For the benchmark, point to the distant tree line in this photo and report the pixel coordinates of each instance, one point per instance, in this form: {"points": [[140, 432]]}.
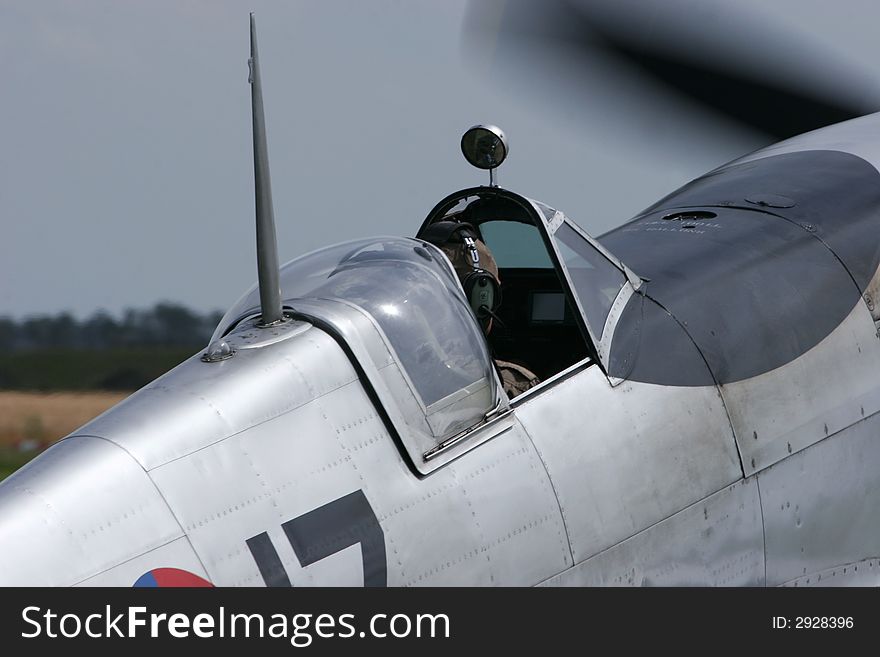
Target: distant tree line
{"points": [[164, 325]]}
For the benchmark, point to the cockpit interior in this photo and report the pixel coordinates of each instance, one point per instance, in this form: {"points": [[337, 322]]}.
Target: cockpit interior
{"points": [[538, 320]]}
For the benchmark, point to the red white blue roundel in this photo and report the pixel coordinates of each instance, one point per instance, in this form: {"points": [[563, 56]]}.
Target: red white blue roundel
{"points": [[170, 577]]}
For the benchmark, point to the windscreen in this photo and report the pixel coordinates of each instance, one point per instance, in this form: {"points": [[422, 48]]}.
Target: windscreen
{"points": [[596, 280]]}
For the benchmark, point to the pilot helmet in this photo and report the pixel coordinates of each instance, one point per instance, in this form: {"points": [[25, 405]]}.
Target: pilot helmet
{"points": [[473, 262]]}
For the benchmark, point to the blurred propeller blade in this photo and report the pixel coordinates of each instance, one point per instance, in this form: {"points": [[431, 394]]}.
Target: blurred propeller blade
{"points": [[729, 58]]}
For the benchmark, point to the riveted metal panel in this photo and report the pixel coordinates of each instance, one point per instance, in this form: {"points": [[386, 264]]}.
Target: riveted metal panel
{"points": [[827, 389], [253, 482], [715, 542], [177, 554], [198, 403], [490, 517], [624, 458], [860, 573], [822, 506], [77, 510], [511, 532]]}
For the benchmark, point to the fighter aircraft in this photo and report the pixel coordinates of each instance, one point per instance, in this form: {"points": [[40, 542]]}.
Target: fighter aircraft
{"points": [[705, 414]]}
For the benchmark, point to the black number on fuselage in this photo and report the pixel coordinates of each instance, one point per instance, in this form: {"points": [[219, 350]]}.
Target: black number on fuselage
{"points": [[325, 531], [270, 565]]}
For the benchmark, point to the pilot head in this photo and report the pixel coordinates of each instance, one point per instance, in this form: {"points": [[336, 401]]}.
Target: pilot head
{"points": [[474, 264]]}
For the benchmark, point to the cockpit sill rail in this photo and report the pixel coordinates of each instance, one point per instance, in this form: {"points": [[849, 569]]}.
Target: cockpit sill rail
{"points": [[494, 416]]}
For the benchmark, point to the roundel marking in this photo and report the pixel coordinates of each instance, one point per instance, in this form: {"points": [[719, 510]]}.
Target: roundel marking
{"points": [[171, 578]]}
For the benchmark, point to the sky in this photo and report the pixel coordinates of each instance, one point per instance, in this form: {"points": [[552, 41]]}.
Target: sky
{"points": [[125, 156]]}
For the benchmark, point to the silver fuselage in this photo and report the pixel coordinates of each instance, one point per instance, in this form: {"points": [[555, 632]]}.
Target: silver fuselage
{"points": [[218, 469]]}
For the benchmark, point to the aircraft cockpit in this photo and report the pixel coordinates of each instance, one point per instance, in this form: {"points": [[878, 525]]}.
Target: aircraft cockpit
{"points": [[558, 286], [396, 305], [562, 291]]}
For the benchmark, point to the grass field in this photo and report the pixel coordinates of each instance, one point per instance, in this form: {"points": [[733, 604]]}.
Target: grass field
{"points": [[86, 370], [11, 460], [31, 421], [33, 415]]}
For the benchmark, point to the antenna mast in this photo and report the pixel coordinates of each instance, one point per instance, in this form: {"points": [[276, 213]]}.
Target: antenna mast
{"points": [[267, 246]]}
